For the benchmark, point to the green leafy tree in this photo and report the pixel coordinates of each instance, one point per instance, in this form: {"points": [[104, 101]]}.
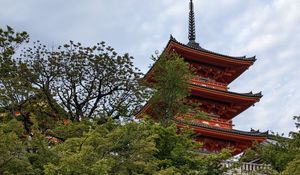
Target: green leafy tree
{"points": [[177, 152], [71, 81], [13, 159], [13, 90], [170, 83], [133, 148], [86, 81], [10, 41], [110, 148], [43, 69], [292, 168]]}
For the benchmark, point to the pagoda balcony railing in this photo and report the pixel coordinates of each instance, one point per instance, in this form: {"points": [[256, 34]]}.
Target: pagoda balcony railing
{"points": [[244, 168], [211, 121], [192, 114], [208, 83]]}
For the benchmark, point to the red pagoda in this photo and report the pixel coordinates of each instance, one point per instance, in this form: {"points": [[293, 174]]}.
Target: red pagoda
{"points": [[209, 89]]}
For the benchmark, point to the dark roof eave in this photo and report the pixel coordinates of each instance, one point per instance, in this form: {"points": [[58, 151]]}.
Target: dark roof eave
{"points": [[249, 94], [172, 39], [234, 131], [240, 58]]}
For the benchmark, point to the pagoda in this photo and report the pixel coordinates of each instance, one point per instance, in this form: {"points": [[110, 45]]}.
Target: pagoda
{"points": [[209, 90]]}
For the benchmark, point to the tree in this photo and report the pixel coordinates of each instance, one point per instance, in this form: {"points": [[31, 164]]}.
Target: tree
{"points": [[292, 168], [133, 148], [177, 153], [13, 159], [13, 90], [43, 69], [171, 87], [87, 81], [10, 41], [38, 152], [109, 148]]}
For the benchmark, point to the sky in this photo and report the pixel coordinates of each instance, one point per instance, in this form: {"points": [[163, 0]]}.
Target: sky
{"points": [[269, 29]]}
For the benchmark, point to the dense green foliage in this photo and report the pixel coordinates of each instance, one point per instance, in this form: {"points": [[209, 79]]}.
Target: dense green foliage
{"points": [[292, 168], [13, 157], [109, 148], [170, 87]]}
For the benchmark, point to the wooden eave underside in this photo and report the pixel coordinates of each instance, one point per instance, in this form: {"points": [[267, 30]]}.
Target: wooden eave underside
{"points": [[224, 96], [242, 101], [224, 135], [239, 102], [238, 64], [208, 57]]}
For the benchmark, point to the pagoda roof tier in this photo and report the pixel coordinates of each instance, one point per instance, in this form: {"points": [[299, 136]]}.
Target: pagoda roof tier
{"points": [[228, 134], [233, 66], [172, 40], [236, 94], [234, 103]]}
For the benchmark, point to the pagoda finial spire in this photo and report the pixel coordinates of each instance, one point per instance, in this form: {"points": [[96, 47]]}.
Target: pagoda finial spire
{"points": [[192, 32], [192, 35]]}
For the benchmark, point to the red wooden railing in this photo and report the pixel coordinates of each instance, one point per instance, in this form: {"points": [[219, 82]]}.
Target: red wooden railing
{"points": [[215, 122], [208, 83]]}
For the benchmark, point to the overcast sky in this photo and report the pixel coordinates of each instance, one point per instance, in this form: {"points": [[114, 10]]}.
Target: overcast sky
{"points": [[269, 29]]}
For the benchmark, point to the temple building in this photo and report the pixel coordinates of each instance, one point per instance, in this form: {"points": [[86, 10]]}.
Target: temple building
{"points": [[209, 89]]}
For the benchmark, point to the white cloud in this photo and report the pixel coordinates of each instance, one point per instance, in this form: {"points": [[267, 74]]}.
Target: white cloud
{"points": [[272, 36]]}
